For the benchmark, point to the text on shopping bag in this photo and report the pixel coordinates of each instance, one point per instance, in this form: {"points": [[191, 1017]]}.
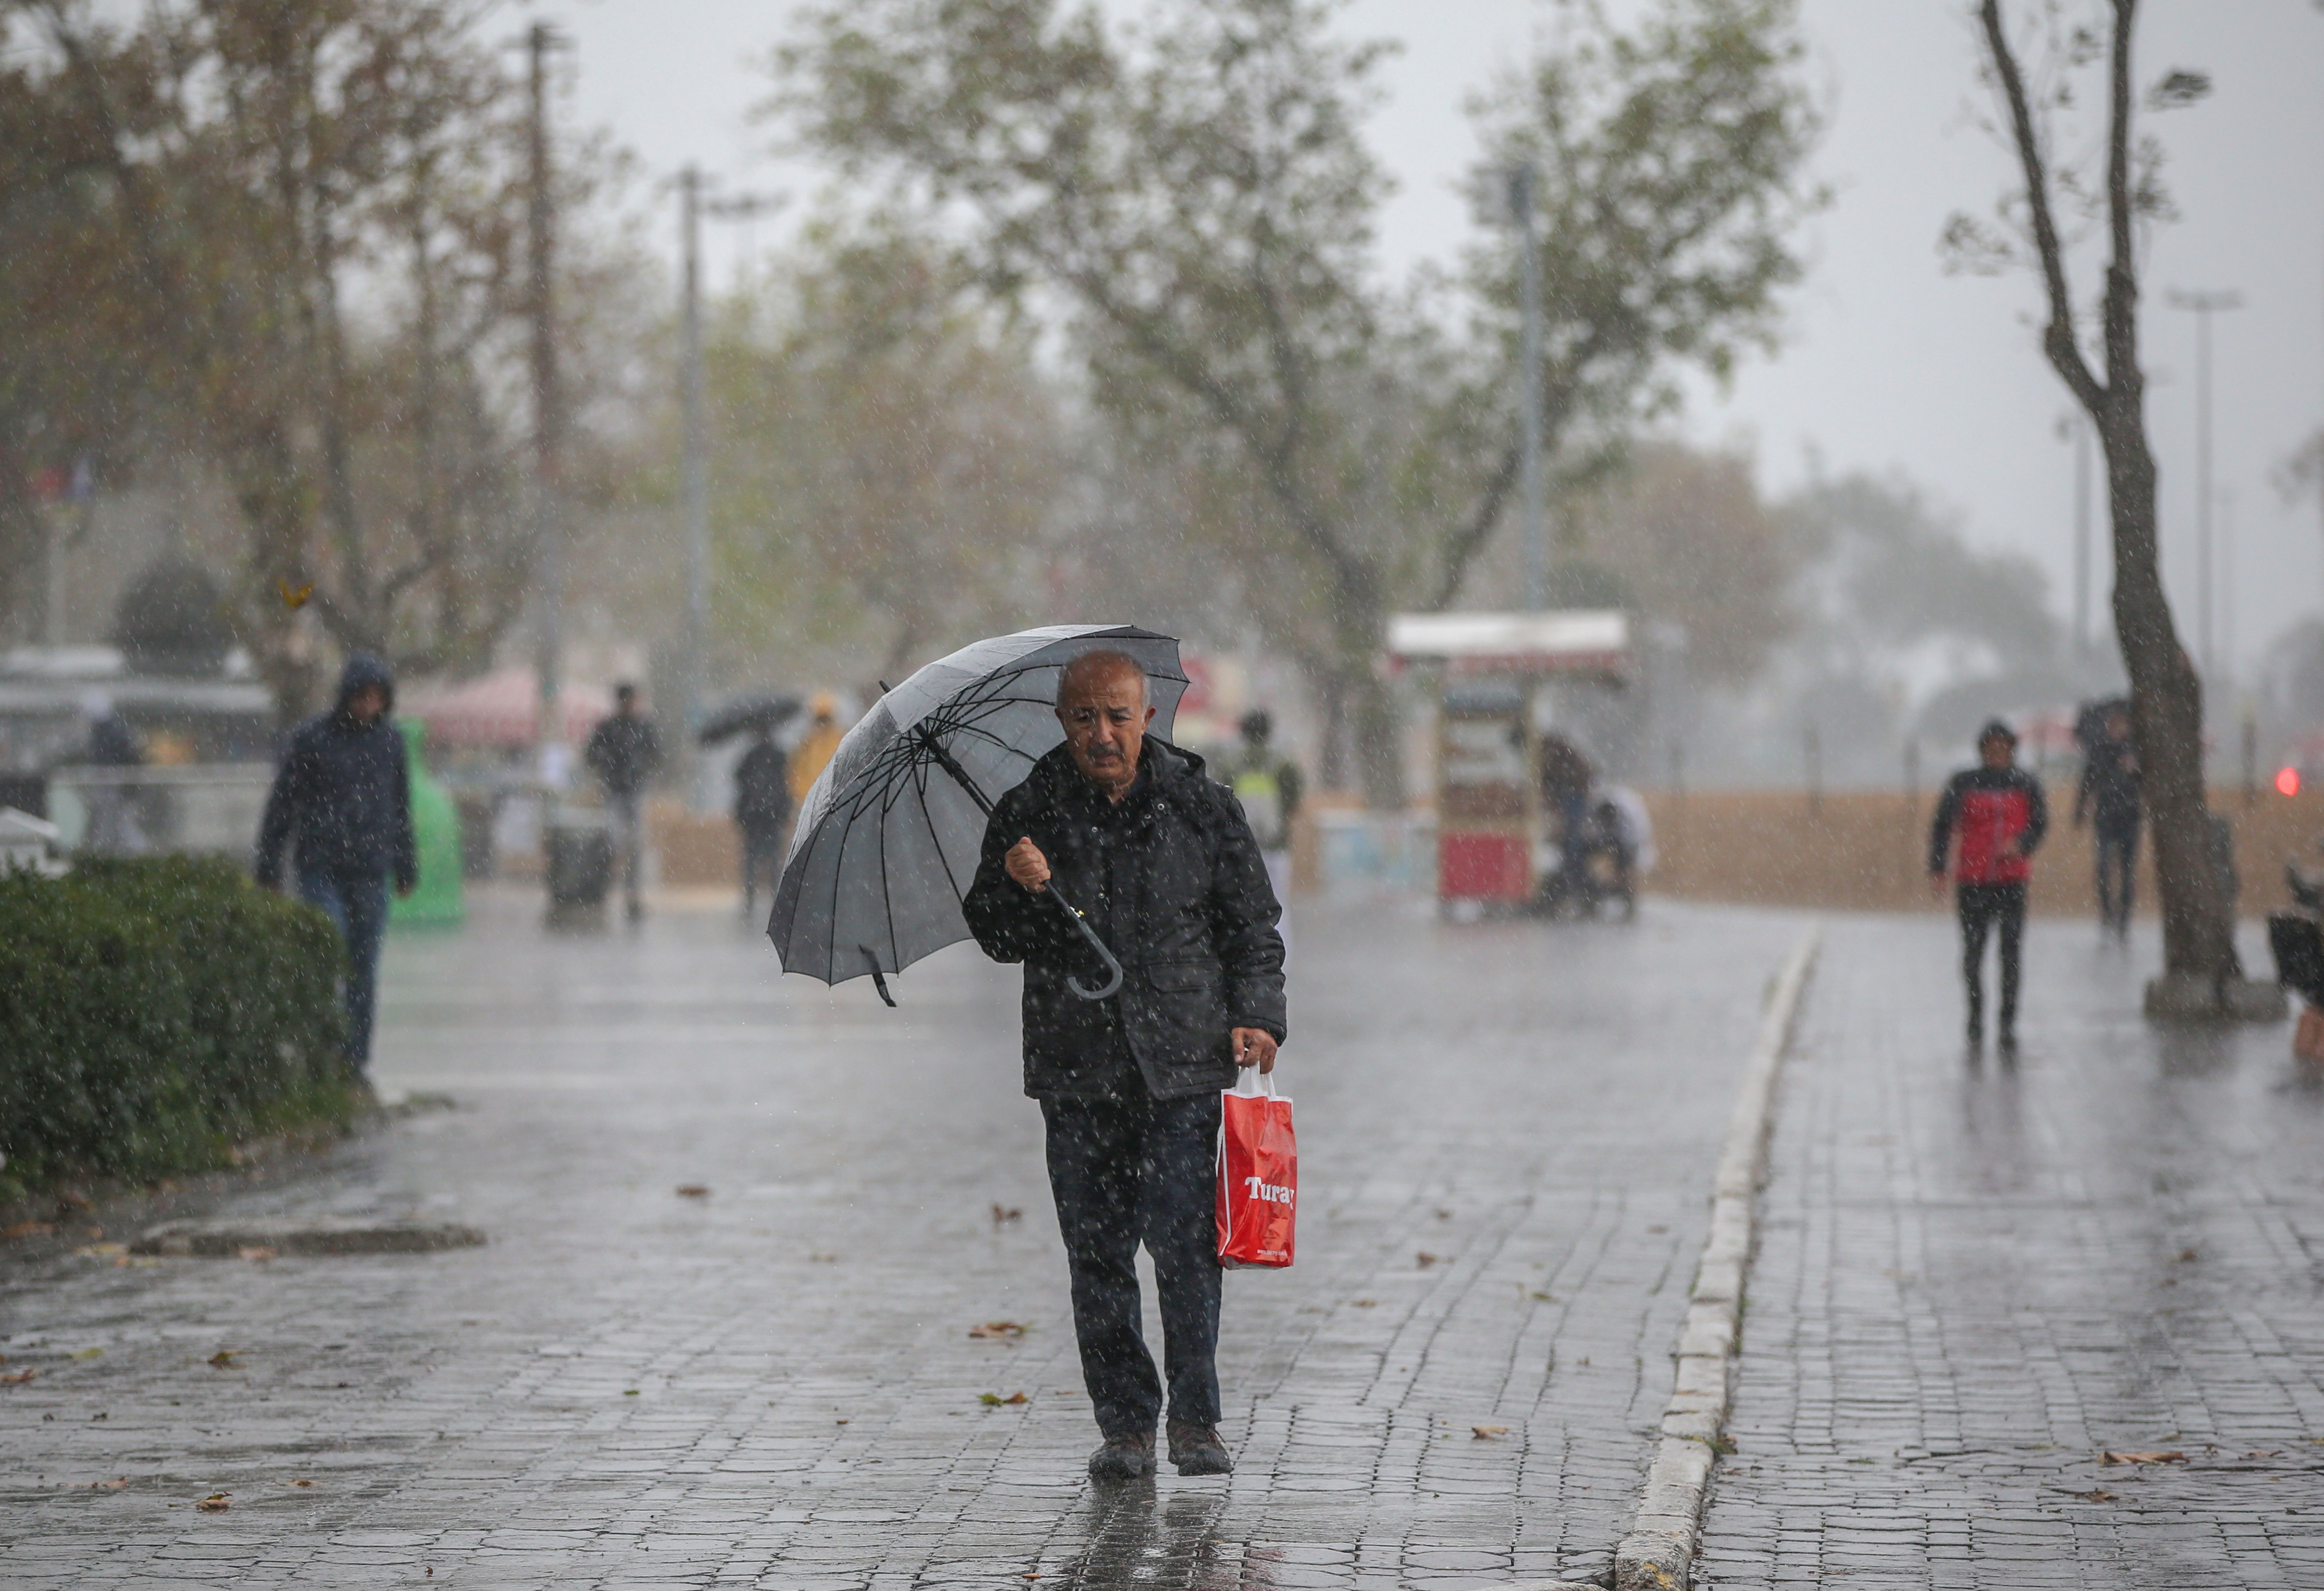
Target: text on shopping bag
{"points": [[1258, 1178]]}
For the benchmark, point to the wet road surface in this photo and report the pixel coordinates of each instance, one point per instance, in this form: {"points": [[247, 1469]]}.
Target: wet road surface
{"points": [[1506, 1136], [1974, 1280]]}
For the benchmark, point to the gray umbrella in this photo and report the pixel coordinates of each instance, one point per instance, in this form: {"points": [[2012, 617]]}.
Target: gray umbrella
{"points": [[887, 839]]}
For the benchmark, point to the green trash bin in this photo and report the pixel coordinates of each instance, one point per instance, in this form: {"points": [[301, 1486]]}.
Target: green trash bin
{"points": [[435, 824]]}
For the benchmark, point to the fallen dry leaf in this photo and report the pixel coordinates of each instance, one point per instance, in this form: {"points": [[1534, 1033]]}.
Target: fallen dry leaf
{"points": [[2170, 1457], [2093, 1496], [19, 1377], [995, 1401], [90, 1353], [224, 1358], [2187, 1256], [692, 1190], [823, 1259], [302, 1483], [1003, 1214], [998, 1330], [257, 1253], [111, 1485], [1424, 1258], [1546, 1297], [216, 1503], [1366, 1304], [1487, 1432]]}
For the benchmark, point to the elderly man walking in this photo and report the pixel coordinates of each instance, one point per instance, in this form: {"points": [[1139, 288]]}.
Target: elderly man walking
{"points": [[1165, 866]]}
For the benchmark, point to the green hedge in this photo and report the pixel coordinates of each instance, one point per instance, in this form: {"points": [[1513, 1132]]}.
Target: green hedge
{"points": [[153, 1013]]}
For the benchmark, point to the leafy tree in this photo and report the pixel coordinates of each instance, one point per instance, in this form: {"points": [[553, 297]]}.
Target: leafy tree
{"points": [[892, 467], [1196, 194], [2077, 43], [311, 214]]}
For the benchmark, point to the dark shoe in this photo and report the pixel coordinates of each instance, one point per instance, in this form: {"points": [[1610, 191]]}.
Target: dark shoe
{"points": [[1196, 1450], [1126, 1456]]}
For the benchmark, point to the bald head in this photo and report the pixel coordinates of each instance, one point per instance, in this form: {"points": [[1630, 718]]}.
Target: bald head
{"points": [[1103, 707], [1097, 670]]}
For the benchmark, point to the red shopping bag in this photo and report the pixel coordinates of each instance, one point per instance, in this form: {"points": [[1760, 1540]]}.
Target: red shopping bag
{"points": [[1258, 1175]]}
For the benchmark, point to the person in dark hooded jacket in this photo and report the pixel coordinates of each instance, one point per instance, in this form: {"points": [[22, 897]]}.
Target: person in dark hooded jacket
{"points": [[342, 803], [1164, 864], [1990, 820]]}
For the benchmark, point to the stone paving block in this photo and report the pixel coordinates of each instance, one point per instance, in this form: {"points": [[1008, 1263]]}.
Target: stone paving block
{"points": [[1538, 1108], [1969, 1282]]}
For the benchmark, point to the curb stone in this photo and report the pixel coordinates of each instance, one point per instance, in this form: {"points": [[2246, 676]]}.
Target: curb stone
{"points": [[1659, 1554]]}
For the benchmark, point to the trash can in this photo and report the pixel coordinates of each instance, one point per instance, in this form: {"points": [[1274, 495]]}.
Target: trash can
{"points": [[578, 847], [436, 826]]}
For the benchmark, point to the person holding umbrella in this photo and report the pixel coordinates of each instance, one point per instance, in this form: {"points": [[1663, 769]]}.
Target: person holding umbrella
{"points": [[762, 809], [1166, 871]]}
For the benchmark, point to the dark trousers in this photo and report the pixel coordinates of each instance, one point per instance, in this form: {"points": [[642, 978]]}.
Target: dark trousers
{"points": [[356, 903], [1984, 906], [2118, 851], [1123, 1170], [762, 852]]}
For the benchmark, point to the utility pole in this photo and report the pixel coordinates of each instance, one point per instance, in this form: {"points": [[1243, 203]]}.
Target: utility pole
{"points": [[2076, 428], [696, 468], [2204, 305], [693, 205], [548, 400], [1532, 488]]}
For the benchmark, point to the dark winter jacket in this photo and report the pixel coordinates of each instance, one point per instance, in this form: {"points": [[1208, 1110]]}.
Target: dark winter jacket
{"points": [[2000, 815], [2109, 788], [624, 754], [763, 789], [1173, 881], [343, 796]]}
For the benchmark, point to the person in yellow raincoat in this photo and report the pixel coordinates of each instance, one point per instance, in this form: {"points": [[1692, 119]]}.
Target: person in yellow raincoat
{"points": [[814, 750]]}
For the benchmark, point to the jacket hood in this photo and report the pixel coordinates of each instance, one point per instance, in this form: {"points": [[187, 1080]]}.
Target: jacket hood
{"points": [[362, 668]]}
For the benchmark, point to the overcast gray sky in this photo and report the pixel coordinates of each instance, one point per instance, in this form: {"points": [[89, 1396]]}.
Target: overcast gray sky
{"points": [[1889, 363]]}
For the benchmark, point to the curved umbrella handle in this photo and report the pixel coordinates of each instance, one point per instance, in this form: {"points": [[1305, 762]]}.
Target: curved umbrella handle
{"points": [[1112, 966]]}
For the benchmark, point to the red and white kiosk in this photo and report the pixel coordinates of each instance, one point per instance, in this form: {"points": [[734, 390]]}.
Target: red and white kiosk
{"points": [[1486, 671]]}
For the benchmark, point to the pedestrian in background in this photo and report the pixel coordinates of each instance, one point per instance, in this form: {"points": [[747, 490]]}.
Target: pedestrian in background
{"points": [[342, 803], [1991, 819], [813, 753], [1269, 788], [2107, 798], [763, 810], [625, 753], [114, 828], [1166, 869]]}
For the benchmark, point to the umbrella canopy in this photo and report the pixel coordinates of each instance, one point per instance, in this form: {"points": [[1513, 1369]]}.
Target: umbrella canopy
{"points": [[747, 715], [888, 838]]}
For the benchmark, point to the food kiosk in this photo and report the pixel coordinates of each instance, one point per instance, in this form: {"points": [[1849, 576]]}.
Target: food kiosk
{"points": [[1489, 673]]}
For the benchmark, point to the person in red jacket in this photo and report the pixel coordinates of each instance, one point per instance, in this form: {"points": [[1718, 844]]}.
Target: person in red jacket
{"points": [[1991, 818]]}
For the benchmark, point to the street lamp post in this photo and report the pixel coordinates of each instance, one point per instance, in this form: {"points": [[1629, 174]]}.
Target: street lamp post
{"points": [[695, 467], [2204, 306], [1532, 488]]}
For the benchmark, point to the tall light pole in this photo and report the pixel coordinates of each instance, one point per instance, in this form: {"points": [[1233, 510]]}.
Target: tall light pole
{"points": [[2204, 305], [695, 467], [1532, 488], [548, 400], [2076, 428]]}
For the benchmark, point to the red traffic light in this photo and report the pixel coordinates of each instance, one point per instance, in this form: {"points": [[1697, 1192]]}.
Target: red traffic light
{"points": [[2287, 782]]}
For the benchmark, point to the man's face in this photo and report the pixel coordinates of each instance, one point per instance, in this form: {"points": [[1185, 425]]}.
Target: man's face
{"points": [[367, 703], [1996, 751], [1104, 717], [2118, 726]]}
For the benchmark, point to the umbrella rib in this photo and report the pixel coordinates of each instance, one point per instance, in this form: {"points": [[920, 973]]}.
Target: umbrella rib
{"points": [[936, 839]]}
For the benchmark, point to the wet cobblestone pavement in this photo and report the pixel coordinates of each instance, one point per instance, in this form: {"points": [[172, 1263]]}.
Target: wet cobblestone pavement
{"points": [[1507, 1138], [1974, 1280]]}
